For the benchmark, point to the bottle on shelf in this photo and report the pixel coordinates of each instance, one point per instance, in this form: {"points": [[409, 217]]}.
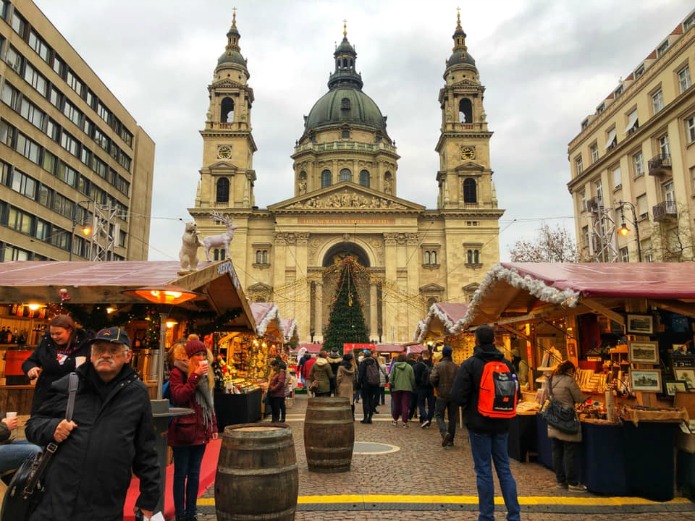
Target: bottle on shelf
{"points": [[3, 335]]}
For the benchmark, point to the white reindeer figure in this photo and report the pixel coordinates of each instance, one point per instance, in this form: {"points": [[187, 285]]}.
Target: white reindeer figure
{"points": [[215, 241]]}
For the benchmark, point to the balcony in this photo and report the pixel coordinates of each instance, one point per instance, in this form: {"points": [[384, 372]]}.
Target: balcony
{"points": [[660, 165], [664, 211]]}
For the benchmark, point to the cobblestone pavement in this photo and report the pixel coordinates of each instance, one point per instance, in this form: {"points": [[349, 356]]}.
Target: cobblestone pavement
{"points": [[421, 467]]}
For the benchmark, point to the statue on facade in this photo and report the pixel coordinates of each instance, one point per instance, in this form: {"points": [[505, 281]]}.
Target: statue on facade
{"points": [[223, 239], [188, 255]]}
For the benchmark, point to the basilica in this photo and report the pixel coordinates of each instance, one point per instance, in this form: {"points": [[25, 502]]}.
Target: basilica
{"points": [[345, 202]]}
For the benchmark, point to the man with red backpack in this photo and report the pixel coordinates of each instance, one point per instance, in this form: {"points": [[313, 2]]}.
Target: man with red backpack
{"points": [[486, 387]]}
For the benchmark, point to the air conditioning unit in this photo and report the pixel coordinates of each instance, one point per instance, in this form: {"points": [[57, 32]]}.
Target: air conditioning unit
{"points": [[593, 204]]}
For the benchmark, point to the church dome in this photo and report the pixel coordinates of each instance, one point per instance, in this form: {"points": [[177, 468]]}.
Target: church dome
{"points": [[460, 54], [232, 52], [345, 105]]}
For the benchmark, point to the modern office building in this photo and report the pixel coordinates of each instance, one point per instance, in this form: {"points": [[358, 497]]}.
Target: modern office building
{"points": [[76, 170], [633, 163], [345, 203]]}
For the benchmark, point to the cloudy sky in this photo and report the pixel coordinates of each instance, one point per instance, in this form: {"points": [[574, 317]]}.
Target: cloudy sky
{"points": [[546, 64]]}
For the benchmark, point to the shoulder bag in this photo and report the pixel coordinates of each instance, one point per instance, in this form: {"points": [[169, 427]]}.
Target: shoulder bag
{"points": [[558, 415], [26, 487]]}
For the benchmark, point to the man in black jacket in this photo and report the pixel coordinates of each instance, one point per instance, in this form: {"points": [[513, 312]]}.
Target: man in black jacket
{"points": [[488, 436], [110, 435]]}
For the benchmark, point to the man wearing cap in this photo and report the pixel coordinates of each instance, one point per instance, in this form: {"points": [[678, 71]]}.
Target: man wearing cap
{"points": [[442, 378], [111, 435]]}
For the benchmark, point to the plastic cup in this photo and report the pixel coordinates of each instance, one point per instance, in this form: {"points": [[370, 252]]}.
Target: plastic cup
{"points": [[10, 415]]}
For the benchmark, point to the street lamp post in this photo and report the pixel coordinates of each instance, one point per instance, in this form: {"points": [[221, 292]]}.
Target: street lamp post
{"points": [[624, 230], [86, 229]]}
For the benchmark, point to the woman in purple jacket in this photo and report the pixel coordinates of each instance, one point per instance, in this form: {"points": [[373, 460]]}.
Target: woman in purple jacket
{"points": [[190, 385]]}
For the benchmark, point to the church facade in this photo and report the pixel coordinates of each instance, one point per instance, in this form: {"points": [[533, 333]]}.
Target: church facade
{"points": [[345, 200]]}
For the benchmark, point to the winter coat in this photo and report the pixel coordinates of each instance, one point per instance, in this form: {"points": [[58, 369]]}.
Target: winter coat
{"points": [[402, 377], [182, 389], [420, 369], [334, 361], [442, 377], [345, 381], [565, 390], [362, 372], [306, 368], [383, 375], [46, 357], [90, 473], [466, 388], [321, 371], [276, 388]]}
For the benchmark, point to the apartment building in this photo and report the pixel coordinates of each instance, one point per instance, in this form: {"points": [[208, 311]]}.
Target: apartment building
{"points": [[76, 170], [633, 162]]}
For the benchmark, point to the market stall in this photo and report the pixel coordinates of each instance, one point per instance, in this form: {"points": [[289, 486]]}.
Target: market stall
{"points": [[102, 294], [440, 327], [625, 325]]}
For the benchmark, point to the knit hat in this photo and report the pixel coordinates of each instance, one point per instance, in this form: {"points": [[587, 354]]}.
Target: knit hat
{"points": [[194, 346], [335, 353], [446, 351], [367, 352], [347, 357]]}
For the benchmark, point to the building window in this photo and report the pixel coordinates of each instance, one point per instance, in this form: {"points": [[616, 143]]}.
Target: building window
{"points": [[642, 209], [585, 237], [364, 178], [664, 151], [611, 139], [582, 199], [598, 187], [638, 164], [578, 165], [661, 49], [684, 78], [345, 175], [632, 122], [222, 195], [18, 24], [690, 22], [325, 178], [14, 60], [657, 101], [617, 178], [430, 258], [690, 129], [692, 178], [669, 192], [593, 149], [470, 191], [345, 133], [219, 254], [472, 257], [624, 255], [262, 257], [639, 71], [39, 46]]}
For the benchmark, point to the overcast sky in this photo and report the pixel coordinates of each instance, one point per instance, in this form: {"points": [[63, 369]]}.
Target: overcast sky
{"points": [[546, 65]]}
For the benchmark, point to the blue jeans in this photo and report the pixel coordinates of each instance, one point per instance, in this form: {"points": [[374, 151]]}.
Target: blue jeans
{"points": [[425, 396], [13, 454], [486, 447], [187, 462]]}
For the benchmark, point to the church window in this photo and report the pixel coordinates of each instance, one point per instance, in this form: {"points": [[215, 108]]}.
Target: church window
{"points": [[345, 133], [227, 112], [465, 111], [261, 256], [430, 258], [345, 104], [222, 195], [219, 254], [345, 175], [473, 257], [470, 191], [364, 178], [325, 178]]}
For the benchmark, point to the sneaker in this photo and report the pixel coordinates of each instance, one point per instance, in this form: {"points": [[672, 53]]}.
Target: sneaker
{"points": [[561, 485], [577, 488], [445, 439], [450, 444], [394, 423], [425, 424], [405, 425]]}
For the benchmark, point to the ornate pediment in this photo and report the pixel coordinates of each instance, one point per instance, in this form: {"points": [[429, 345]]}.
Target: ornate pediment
{"points": [[226, 83], [222, 165], [470, 165], [346, 196]]}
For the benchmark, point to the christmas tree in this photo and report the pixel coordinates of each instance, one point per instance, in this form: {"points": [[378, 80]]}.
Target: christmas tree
{"points": [[346, 322]]}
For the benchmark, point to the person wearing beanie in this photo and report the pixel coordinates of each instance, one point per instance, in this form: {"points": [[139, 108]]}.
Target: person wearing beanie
{"points": [[489, 437], [322, 373], [334, 359], [191, 384], [442, 378], [369, 387]]}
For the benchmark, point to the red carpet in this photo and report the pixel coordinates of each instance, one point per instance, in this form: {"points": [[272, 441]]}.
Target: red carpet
{"points": [[207, 478]]}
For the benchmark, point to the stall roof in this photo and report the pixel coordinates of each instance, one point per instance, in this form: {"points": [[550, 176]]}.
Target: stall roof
{"points": [[519, 288], [441, 320], [289, 326], [105, 283], [268, 320]]}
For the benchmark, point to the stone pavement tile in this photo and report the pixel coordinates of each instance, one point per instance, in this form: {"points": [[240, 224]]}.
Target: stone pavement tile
{"points": [[420, 466]]}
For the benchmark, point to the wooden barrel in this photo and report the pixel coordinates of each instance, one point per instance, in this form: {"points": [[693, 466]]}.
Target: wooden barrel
{"points": [[329, 434], [257, 475]]}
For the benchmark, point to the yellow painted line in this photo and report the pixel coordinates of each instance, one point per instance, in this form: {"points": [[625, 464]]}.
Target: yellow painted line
{"points": [[471, 500]]}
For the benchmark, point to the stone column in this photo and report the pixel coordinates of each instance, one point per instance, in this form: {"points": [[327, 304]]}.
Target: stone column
{"points": [[373, 324]]}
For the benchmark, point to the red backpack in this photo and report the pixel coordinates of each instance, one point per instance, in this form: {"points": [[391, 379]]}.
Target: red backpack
{"points": [[498, 393]]}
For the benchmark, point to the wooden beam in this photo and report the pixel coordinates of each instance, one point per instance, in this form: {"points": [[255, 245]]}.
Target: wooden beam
{"points": [[600, 308], [676, 307]]}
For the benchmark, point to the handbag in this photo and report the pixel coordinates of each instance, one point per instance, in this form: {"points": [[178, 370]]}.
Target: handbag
{"points": [[27, 487], [558, 415], [314, 385]]}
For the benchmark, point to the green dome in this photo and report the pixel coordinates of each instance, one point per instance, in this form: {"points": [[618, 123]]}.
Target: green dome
{"points": [[232, 57], [345, 105]]}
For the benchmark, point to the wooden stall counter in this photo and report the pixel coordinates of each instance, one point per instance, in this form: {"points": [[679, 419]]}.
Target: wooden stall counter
{"points": [[16, 398]]}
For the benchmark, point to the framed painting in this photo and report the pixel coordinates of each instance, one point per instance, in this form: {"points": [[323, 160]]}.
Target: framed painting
{"points": [[686, 375], [674, 387], [640, 324], [646, 380], [644, 352]]}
